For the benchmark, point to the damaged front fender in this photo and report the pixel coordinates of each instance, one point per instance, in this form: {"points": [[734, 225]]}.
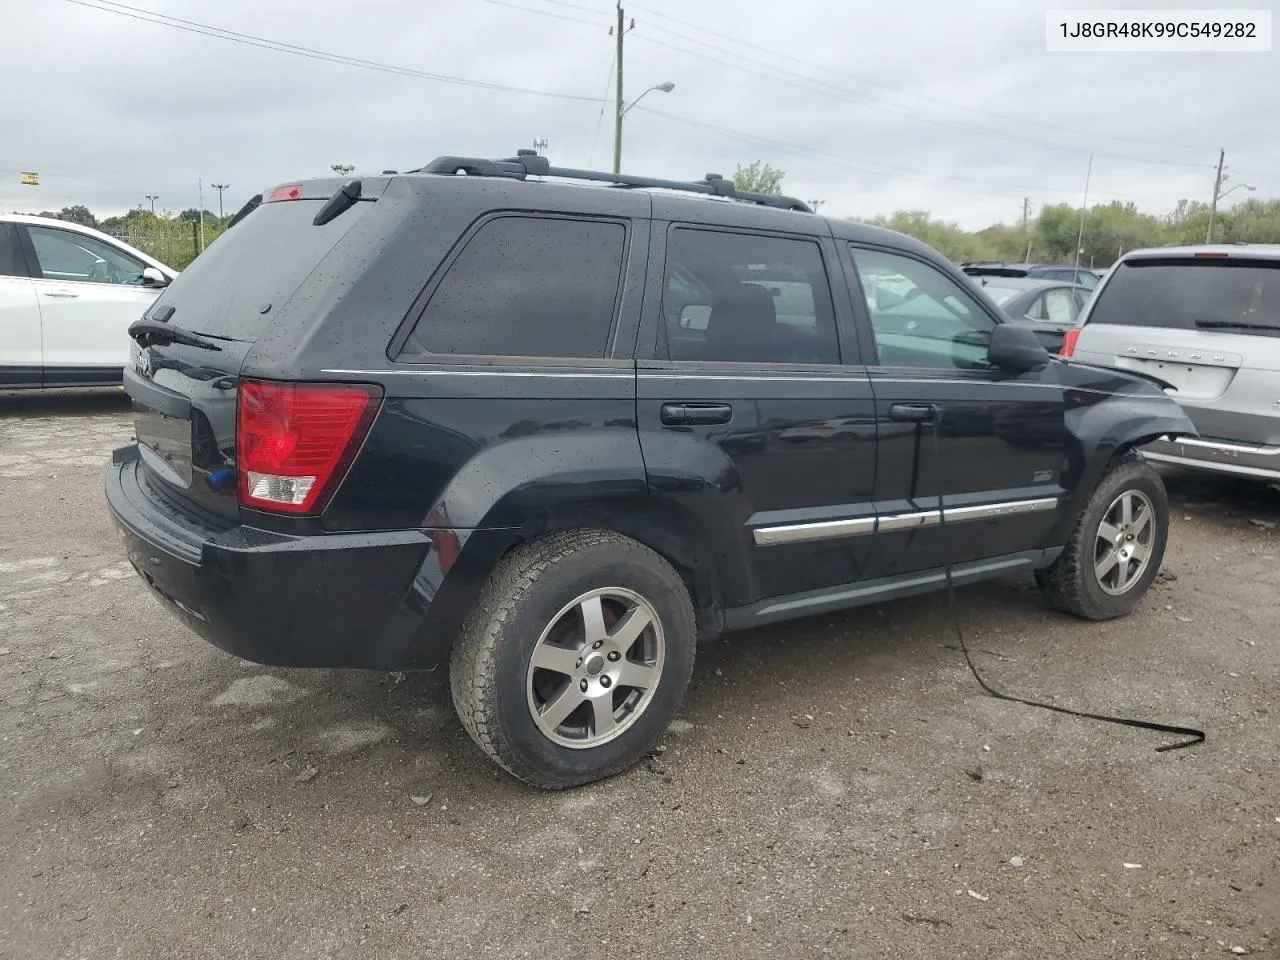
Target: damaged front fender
{"points": [[1109, 416]]}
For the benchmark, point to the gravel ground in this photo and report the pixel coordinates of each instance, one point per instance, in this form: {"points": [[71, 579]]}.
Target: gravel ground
{"points": [[834, 787]]}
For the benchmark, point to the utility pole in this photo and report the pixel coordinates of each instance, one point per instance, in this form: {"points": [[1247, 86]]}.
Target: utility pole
{"points": [[200, 196], [341, 169], [1217, 192], [1026, 228], [617, 105], [1084, 212], [816, 204], [153, 198], [220, 187], [540, 145]]}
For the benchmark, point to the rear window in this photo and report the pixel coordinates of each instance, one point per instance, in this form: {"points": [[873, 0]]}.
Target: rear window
{"points": [[1235, 295], [526, 286], [261, 260]]}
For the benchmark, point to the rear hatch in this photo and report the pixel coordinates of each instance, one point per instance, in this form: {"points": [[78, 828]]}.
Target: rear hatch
{"points": [[184, 391], [1207, 324]]}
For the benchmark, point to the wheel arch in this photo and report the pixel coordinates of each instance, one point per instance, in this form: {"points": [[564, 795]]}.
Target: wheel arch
{"points": [[665, 527], [1105, 430]]}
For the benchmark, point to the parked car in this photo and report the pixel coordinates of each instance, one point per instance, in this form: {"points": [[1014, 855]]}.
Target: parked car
{"points": [[1048, 307], [1045, 271], [544, 431], [67, 295], [1206, 320]]}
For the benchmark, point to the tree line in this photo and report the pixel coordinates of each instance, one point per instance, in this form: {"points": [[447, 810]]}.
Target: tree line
{"points": [[173, 239], [1109, 229]]}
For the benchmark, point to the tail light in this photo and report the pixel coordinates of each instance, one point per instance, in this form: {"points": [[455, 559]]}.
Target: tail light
{"points": [[294, 441], [1069, 342]]}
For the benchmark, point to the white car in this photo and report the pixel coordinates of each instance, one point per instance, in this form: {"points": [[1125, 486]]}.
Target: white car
{"points": [[67, 296]]}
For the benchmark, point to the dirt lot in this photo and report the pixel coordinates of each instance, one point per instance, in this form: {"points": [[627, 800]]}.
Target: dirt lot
{"points": [[835, 787]]}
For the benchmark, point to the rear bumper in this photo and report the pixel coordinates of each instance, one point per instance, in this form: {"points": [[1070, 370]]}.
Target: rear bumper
{"points": [[1220, 456], [366, 600]]}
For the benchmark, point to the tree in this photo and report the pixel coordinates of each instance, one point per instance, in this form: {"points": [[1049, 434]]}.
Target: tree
{"points": [[78, 214], [947, 238], [758, 178]]}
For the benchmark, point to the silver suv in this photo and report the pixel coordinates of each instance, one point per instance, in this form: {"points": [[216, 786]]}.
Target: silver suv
{"points": [[1206, 321]]}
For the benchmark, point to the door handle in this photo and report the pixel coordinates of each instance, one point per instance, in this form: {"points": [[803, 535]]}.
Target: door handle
{"points": [[61, 294], [914, 412], [689, 414]]}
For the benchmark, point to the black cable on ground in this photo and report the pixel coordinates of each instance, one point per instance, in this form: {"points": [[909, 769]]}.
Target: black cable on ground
{"points": [[1193, 736]]}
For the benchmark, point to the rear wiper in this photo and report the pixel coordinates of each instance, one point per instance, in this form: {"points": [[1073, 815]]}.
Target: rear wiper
{"points": [[1235, 325], [154, 333], [342, 201]]}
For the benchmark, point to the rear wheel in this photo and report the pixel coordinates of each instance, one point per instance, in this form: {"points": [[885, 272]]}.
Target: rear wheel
{"points": [[1116, 549], [575, 657]]}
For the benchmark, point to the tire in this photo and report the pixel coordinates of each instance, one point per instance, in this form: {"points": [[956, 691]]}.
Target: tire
{"points": [[534, 602], [1073, 584]]}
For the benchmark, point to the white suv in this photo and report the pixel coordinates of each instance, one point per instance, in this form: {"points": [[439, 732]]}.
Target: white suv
{"points": [[67, 296], [1206, 321]]}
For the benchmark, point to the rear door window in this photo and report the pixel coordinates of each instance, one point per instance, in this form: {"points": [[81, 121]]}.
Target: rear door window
{"points": [[1232, 295], [526, 286], [747, 298]]}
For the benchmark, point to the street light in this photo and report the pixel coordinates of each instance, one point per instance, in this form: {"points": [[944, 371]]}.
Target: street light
{"points": [[665, 87], [220, 187], [1248, 186]]}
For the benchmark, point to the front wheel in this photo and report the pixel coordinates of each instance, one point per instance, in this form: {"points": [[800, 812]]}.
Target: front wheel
{"points": [[1116, 548], [575, 658]]}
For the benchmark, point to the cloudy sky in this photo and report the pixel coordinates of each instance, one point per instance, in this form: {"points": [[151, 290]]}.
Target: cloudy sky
{"points": [[950, 107]]}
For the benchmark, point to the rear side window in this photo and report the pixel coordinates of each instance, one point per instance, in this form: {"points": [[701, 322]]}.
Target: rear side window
{"points": [[237, 286], [526, 287], [1238, 296]]}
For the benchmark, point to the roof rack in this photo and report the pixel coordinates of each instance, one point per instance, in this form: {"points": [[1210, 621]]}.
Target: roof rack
{"points": [[527, 163]]}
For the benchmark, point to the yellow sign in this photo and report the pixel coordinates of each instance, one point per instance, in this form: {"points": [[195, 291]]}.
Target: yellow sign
{"points": [[30, 179]]}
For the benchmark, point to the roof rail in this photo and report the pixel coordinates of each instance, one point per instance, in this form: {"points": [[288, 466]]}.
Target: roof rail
{"points": [[526, 164]]}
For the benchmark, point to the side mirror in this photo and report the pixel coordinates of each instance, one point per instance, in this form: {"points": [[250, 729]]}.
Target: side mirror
{"points": [[151, 277], [1016, 349]]}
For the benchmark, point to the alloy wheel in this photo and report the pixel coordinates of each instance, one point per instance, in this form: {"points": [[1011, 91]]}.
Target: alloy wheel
{"points": [[595, 667]]}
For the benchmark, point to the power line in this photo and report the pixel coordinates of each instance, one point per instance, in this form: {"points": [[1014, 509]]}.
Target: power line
{"points": [[546, 13], [572, 6], [866, 166], [951, 105], [828, 158], [812, 85], [204, 29], [613, 62]]}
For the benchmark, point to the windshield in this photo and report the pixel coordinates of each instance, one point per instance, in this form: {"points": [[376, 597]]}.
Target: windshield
{"points": [[1235, 295]]}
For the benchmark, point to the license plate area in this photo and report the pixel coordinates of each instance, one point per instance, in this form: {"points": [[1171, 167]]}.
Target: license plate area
{"points": [[164, 443]]}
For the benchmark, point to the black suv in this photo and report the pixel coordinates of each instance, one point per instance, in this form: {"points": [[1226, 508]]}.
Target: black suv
{"points": [[552, 426]]}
